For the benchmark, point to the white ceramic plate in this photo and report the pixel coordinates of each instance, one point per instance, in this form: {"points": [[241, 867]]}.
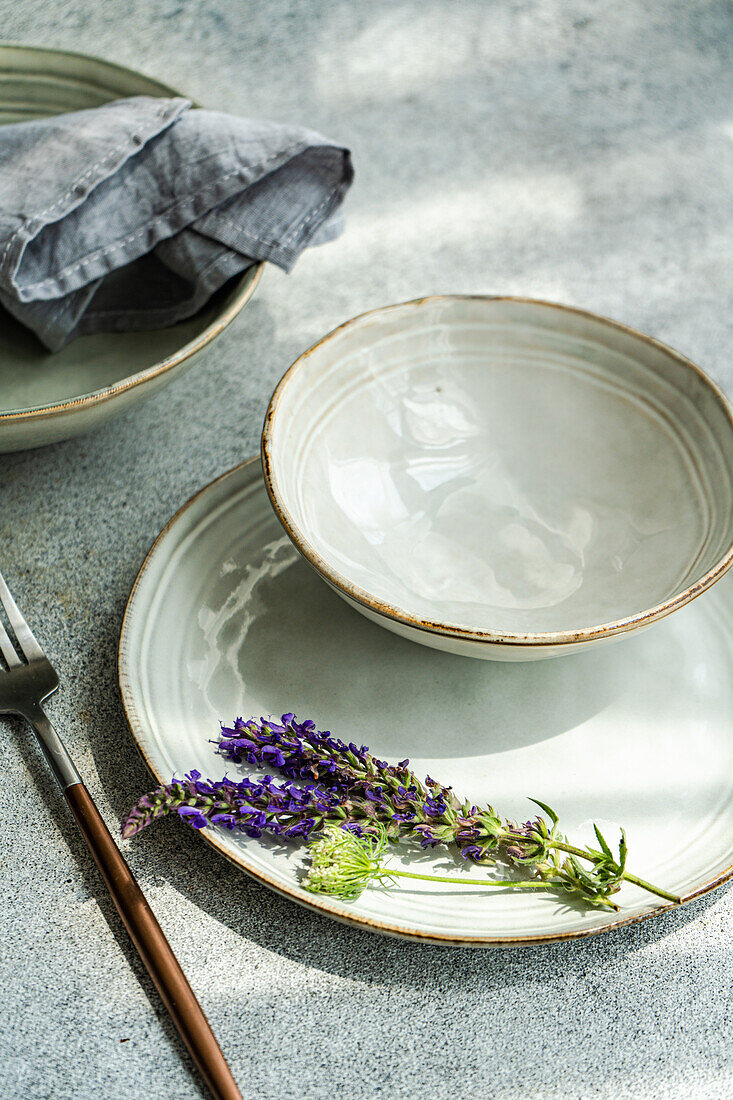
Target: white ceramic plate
{"points": [[46, 397], [226, 619], [501, 477]]}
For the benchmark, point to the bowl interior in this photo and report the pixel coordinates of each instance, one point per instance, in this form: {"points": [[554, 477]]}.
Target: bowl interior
{"points": [[33, 378], [35, 83], [502, 466]]}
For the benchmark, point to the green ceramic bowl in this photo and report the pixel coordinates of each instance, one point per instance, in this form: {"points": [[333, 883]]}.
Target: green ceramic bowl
{"points": [[46, 397]]}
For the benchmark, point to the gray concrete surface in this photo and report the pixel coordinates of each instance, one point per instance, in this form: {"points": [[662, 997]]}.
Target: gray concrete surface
{"points": [[576, 151]]}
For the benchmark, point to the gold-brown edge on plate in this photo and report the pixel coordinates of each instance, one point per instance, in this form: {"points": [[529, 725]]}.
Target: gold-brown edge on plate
{"points": [[300, 896], [248, 280], [540, 638]]}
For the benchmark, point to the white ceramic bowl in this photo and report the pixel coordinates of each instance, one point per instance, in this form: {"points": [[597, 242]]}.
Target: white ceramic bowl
{"points": [[47, 397], [501, 477]]}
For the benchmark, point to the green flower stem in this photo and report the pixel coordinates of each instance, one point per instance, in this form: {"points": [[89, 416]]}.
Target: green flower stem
{"points": [[528, 885], [514, 884], [627, 876], [652, 889]]}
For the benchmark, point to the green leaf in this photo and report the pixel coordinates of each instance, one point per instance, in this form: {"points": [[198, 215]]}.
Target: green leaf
{"points": [[546, 809], [602, 842]]}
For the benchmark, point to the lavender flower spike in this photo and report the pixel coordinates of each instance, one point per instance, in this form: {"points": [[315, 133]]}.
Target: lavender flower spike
{"points": [[252, 806], [369, 790]]}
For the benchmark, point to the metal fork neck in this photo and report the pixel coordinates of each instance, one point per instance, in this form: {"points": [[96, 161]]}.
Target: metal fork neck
{"points": [[53, 747]]}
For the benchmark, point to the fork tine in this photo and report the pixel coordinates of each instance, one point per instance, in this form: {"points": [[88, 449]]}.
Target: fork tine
{"points": [[23, 632], [8, 649]]}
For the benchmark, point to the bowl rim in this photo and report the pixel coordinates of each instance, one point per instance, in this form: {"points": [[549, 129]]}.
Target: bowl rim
{"points": [[245, 287], [481, 637]]}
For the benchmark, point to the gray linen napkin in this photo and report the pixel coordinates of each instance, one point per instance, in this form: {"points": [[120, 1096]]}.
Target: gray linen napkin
{"points": [[130, 215]]}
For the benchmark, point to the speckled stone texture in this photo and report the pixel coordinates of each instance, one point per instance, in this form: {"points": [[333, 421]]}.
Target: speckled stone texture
{"points": [[576, 151]]}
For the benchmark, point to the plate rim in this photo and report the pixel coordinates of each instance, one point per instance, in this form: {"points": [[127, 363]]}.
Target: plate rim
{"points": [[246, 286], [316, 903], [509, 639]]}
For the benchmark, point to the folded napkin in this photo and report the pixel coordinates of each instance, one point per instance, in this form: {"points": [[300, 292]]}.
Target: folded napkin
{"points": [[130, 215]]}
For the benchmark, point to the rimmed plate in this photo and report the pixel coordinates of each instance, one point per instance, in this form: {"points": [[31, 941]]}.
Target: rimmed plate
{"points": [[226, 619], [43, 397]]}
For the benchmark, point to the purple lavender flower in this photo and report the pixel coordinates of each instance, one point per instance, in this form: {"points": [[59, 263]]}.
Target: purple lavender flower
{"points": [[193, 816], [370, 790], [473, 851], [426, 835], [253, 806], [328, 781]]}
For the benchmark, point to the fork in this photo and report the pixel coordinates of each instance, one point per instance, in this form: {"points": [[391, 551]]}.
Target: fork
{"points": [[25, 684]]}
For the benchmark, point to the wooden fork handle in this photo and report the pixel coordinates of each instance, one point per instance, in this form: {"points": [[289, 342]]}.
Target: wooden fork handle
{"points": [[152, 946]]}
